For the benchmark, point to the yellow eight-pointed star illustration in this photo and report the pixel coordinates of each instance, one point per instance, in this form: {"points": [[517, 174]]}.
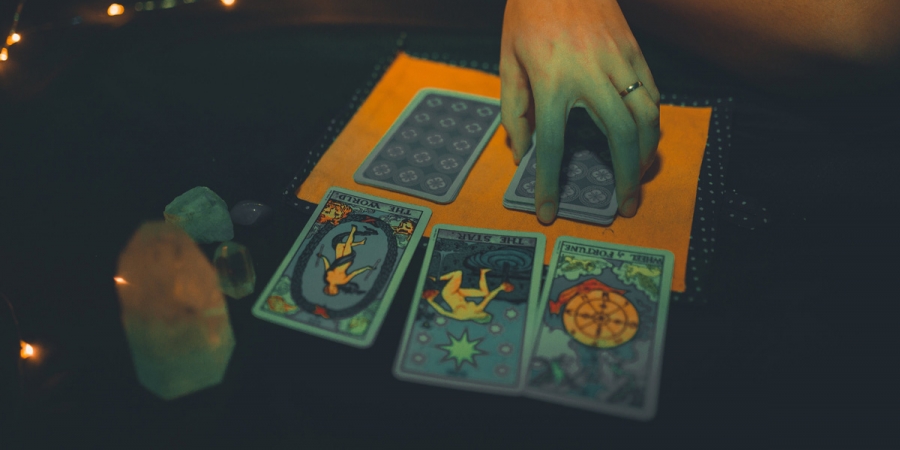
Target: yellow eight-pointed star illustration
{"points": [[461, 350]]}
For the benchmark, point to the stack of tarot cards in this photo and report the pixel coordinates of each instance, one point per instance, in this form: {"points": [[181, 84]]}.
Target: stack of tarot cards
{"points": [[587, 184]]}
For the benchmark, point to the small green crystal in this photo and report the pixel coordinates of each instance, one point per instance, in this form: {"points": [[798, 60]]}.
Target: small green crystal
{"points": [[237, 278]]}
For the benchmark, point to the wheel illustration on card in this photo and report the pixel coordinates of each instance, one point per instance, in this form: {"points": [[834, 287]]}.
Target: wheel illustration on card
{"points": [[596, 314]]}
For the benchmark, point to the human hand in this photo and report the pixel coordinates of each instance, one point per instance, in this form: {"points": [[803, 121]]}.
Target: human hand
{"points": [[556, 55]]}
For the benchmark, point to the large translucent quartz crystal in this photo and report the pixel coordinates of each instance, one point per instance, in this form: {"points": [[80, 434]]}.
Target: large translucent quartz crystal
{"points": [[173, 312]]}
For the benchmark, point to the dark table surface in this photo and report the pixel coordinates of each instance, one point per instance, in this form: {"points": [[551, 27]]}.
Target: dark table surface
{"points": [[103, 124]]}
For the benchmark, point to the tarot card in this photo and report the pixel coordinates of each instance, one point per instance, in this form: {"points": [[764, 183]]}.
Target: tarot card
{"points": [[340, 276], [468, 326], [430, 149], [601, 328], [587, 184]]}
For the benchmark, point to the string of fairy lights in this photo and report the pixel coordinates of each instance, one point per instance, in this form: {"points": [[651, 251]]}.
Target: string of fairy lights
{"points": [[12, 37], [114, 9], [29, 351]]}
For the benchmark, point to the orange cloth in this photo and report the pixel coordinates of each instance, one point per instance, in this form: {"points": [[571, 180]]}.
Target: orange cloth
{"points": [[663, 219]]}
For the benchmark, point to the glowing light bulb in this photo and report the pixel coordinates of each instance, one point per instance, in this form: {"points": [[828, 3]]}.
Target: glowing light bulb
{"points": [[120, 280], [115, 9], [227, 2], [27, 350], [4, 55]]}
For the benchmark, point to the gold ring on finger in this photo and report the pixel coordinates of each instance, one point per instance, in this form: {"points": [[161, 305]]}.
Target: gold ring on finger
{"points": [[630, 89]]}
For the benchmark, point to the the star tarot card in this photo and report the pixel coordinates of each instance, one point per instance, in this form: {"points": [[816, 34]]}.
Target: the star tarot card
{"points": [[468, 326]]}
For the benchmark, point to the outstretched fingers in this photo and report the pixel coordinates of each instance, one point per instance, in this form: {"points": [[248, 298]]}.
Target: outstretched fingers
{"points": [[631, 124], [550, 112], [611, 114], [642, 70], [516, 106], [644, 106], [646, 116]]}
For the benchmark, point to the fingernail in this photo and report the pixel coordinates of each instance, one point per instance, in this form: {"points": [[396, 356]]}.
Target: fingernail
{"points": [[547, 213], [630, 207]]}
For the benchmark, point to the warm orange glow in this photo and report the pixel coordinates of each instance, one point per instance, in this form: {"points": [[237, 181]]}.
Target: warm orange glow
{"points": [[115, 9], [27, 350], [4, 54], [120, 280], [13, 38], [227, 2]]}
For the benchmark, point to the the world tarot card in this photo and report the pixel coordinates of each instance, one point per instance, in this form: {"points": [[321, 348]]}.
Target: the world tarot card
{"points": [[341, 274], [468, 326], [601, 329]]}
